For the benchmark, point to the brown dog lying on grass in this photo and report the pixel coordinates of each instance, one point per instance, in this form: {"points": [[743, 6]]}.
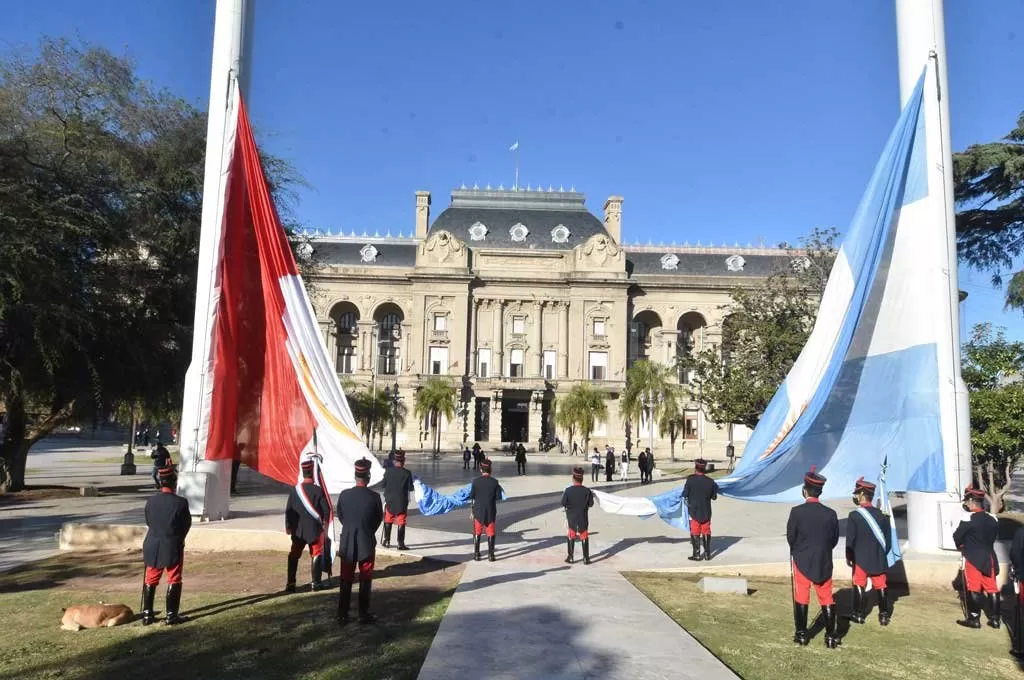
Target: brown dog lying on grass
{"points": [[100, 615]]}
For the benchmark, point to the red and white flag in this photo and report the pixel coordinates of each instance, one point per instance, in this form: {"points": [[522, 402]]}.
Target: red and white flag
{"points": [[265, 391]]}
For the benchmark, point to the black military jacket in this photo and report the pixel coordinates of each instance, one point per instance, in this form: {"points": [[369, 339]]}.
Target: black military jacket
{"points": [[1017, 554], [699, 491], [169, 520], [577, 501], [397, 487], [485, 492], [812, 532], [360, 512], [297, 520], [862, 548], [976, 539]]}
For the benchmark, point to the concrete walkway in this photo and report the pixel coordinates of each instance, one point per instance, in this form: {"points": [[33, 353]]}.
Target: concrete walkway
{"points": [[524, 618]]}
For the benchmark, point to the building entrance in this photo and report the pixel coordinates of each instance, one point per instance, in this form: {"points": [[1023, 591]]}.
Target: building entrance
{"points": [[515, 418]]}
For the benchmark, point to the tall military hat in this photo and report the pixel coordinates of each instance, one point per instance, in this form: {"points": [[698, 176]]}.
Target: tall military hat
{"points": [[862, 485], [399, 456], [974, 494], [812, 478], [167, 476], [363, 469], [577, 474], [307, 468], [700, 465], [485, 465]]}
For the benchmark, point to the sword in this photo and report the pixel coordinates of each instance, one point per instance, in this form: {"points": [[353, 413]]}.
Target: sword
{"points": [[962, 592]]}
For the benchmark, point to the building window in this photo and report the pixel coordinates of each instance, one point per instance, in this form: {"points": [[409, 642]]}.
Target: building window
{"points": [[440, 322], [346, 359], [598, 365], [549, 364], [387, 361], [691, 423], [389, 332], [438, 360], [518, 325], [484, 363], [515, 363], [599, 327], [348, 324]]}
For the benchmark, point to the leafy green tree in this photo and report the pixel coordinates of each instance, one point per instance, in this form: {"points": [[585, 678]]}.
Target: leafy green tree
{"points": [[647, 383], [580, 409], [989, 189], [672, 421], [993, 369], [435, 399]]}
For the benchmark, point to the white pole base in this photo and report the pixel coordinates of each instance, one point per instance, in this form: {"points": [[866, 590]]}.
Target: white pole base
{"points": [[207, 489], [931, 520]]}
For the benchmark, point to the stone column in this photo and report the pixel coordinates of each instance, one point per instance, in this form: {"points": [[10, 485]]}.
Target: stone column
{"points": [[494, 420], [498, 307], [474, 321], [536, 417], [365, 330], [563, 339], [331, 341], [536, 370], [403, 357]]}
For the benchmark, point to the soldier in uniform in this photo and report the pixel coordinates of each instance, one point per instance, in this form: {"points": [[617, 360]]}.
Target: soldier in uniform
{"points": [[397, 487], [307, 512], [360, 513], [868, 541], [485, 493], [698, 492], [577, 501], [976, 538], [1017, 580], [163, 549], [812, 533]]}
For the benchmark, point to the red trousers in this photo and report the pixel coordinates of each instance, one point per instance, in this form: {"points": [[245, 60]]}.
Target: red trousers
{"points": [[315, 549], [978, 582], [348, 570], [583, 535], [802, 589], [700, 528], [398, 519], [860, 578], [153, 574], [479, 528]]}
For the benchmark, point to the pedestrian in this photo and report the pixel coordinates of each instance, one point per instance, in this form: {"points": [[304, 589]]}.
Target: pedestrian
{"points": [[698, 492], [624, 466], [478, 455], [641, 464], [868, 541], [235, 464], [609, 464], [521, 459], [305, 518], [163, 549], [467, 455], [485, 492], [812, 533], [1017, 580], [397, 487], [975, 538], [577, 501], [360, 514], [595, 466], [161, 459], [650, 466], [576, 448]]}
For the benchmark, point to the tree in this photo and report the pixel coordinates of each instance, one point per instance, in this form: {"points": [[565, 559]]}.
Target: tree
{"points": [[993, 368], [989, 188], [101, 187], [647, 384], [672, 421], [764, 331], [580, 410], [435, 399]]}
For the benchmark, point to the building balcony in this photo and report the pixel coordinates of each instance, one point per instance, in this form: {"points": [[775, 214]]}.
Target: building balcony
{"points": [[514, 383], [438, 337]]}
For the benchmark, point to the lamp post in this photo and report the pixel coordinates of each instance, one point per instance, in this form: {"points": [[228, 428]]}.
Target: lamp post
{"points": [[392, 397]]}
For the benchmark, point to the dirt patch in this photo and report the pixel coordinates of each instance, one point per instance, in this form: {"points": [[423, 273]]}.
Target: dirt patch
{"points": [[37, 493]]}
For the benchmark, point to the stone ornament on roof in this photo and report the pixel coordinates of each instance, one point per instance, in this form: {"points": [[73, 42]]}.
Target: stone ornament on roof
{"points": [[304, 250], [478, 231], [670, 261], [734, 263], [518, 232], [368, 253], [800, 264], [560, 234]]}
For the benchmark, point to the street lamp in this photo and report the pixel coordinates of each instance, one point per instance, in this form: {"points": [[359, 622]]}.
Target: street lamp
{"points": [[392, 396]]}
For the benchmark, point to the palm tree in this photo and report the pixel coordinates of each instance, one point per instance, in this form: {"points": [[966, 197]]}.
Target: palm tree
{"points": [[647, 384], [434, 399], [673, 419], [581, 409]]}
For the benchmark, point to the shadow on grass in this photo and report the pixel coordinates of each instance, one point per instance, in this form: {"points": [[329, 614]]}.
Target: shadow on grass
{"points": [[64, 567]]}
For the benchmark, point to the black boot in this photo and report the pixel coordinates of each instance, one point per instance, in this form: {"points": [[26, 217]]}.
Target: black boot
{"points": [[572, 544], [316, 571], [995, 613], [490, 548], [695, 544], [831, 637], [173, 604], [884, 612], [386, 543], [586, 551], [973, 620], [344, 602], [707, 546], [476, 547], [857, 606], [401, 538], [1018, 630], [365, 585], [148, 595], [293, 566], [800, 623]]}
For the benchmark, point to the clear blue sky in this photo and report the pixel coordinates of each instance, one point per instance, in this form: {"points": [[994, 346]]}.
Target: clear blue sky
{"points": [[718, 121]]}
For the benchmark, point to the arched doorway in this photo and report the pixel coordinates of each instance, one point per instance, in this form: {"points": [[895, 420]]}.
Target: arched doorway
{"points": [[345, 317], [690, 339], [644, 330], [388, 319]]}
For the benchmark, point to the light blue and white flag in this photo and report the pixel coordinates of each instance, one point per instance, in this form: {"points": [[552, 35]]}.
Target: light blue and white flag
{"points": [[514, 146], [669, 507], [432, 502], [869, 382]]}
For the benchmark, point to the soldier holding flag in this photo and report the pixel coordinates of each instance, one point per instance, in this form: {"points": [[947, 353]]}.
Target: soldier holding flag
{"points": [[868, 541], [397, 487], [305, 516]]}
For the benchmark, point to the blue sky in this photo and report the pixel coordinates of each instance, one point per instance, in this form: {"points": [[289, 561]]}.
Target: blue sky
{"points": [[718, 121]]}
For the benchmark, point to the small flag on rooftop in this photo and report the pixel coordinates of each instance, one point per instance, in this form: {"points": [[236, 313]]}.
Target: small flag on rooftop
{"points": [[514, 146]]}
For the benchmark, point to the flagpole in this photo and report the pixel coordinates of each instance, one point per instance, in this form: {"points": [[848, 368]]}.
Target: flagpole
{"points": [[515, 186]]}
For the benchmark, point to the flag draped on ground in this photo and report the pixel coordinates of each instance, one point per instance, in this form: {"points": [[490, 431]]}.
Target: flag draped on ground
{"points": [[867, 383], [432, 502], [263, 389], [668, 506]]}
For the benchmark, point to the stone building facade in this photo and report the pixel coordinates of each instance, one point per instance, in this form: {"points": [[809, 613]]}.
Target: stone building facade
{"points": [[516, 296]]}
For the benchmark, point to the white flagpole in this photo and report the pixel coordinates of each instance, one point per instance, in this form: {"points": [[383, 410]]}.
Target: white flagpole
{"points": [[920, 32], [206, 483]]}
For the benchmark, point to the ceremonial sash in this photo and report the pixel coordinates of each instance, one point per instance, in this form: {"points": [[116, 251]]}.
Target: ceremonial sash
{"points": [[890, 557], [306, 503]]}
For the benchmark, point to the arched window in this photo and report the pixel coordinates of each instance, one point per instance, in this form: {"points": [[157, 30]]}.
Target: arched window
{"points": [[389, 335], [346, 335]]}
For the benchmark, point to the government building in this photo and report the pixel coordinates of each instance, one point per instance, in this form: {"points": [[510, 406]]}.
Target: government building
{"points": [[515, 296]]}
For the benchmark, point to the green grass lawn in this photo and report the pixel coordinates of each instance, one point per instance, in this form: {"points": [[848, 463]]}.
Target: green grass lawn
{"points": [[241, 625], [753, 635]]}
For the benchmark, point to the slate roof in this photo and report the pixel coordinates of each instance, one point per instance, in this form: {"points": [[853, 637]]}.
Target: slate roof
{"points": [[648, 263], [390, 253], [539, 211]]}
